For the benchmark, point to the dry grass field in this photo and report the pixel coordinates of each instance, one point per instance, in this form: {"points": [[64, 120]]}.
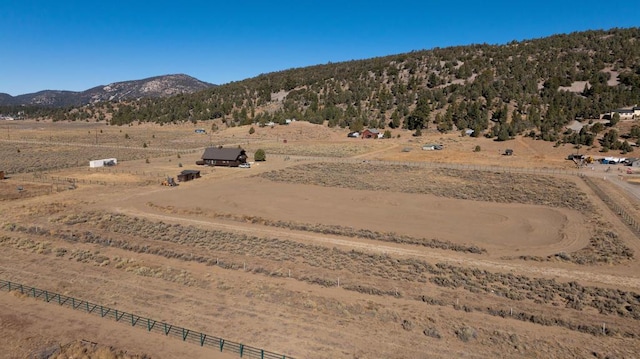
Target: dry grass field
{"points": [[331, 248]]}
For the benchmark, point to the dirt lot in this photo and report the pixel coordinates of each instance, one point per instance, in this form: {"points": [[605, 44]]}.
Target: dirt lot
{"points": [[322, 251]]}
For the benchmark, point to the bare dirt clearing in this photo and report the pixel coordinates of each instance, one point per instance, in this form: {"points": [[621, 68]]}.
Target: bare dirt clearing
{"points": [[317, 259], [504, 229]]}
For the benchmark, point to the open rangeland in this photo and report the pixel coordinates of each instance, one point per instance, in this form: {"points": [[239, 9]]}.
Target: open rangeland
{"points": [[331, 248]]}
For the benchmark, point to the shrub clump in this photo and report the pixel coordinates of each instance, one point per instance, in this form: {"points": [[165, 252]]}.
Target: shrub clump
{"points": [[260, 155], [466, 334], [432, 333]]}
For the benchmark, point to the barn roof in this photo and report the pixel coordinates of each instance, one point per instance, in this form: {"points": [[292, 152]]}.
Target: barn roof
{"points": [[188, 172], [225, 154]]}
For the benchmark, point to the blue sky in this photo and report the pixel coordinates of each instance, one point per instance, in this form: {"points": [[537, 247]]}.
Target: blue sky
{"points": [[76, 45]]}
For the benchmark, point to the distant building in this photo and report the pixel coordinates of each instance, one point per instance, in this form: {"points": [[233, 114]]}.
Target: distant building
{"points": [[371, 133], [432, 147], [103, 162], [218, 156], [188, 175], [626, 113]]}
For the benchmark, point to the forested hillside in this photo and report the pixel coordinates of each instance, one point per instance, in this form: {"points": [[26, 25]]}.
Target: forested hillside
{"points": [[532, 87]]}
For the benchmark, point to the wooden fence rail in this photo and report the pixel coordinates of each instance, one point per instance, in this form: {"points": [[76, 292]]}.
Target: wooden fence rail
{"points": [[151, 325]]}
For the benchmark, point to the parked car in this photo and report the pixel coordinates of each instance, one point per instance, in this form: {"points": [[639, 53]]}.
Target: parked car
{"points": [[244, 165]]}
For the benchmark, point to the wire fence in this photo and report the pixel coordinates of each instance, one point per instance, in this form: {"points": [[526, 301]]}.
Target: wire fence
{"points": [[135, 172], [65, 182], [72, 182], [628, 219], [58, 184], [162, 150], [78, 157], [460, 166], [151, 325]]}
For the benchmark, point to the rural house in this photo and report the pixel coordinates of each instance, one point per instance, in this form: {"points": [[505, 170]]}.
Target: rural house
{"points": [[188, 175], [371, 133], [218, 156], [626, 113]]}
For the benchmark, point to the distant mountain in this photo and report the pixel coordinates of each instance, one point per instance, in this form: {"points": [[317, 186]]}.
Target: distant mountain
{"points": [[153, 87], [5, 98]]}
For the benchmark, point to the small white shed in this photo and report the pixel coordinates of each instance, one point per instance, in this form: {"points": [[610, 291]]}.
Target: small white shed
{"points": [[432, 147], [103, 162]]}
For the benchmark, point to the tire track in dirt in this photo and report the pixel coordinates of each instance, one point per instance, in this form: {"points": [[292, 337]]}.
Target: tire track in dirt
{"points": [[375, 152], [426, 254], [527, 146]]}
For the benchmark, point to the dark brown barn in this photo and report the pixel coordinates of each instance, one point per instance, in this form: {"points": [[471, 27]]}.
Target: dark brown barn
{"points": [[188, 175], [218, 156], [1, 175]]}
